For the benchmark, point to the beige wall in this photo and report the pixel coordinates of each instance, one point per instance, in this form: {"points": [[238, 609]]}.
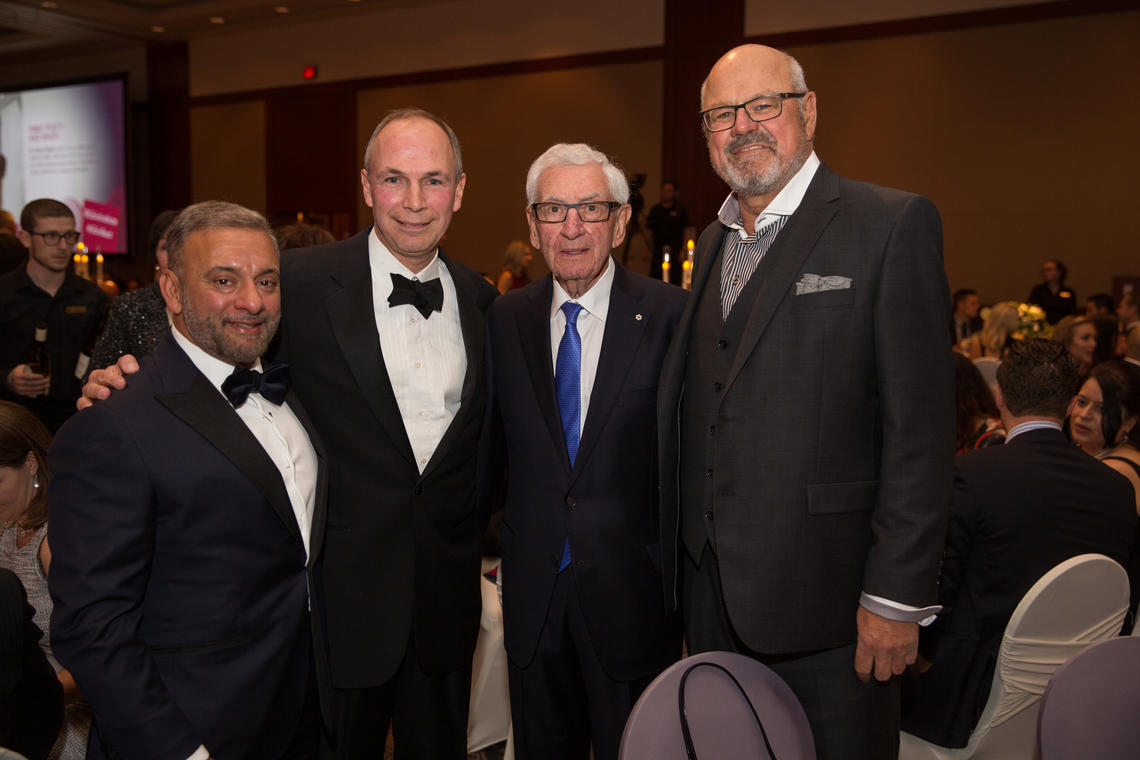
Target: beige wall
{"points": [[227, 143], [504, 123], [425, 36], [766, 17], [1023, 135]]}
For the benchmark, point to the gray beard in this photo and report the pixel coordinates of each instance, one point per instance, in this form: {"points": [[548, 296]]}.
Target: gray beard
{"points": [[752, 184]]}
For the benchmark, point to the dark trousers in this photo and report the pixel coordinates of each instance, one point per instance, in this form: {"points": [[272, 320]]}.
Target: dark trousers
{"points": [[427, 712], [850, 720], [564, 701]]}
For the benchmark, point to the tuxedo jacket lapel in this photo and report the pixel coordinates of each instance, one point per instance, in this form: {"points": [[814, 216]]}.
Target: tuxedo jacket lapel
{"points": [[534, 334], [785, 259], [204, 409], [624, 332], [353, 318]]}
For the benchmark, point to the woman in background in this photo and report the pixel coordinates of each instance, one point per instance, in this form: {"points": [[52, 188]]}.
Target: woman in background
{"points": [[517, 259], [979, 424], [24, 479], [1103, 419], [1078, 334]]}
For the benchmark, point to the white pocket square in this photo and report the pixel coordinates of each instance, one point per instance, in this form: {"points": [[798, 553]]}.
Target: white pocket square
{"points": [[813, 283]]}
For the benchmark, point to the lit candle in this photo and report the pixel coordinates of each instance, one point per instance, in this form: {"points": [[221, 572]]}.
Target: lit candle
{"points": [[687, 268], [78, 261], [665, 267], [86, 267], [99, 268]]}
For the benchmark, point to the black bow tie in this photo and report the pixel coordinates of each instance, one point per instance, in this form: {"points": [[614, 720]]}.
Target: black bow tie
{"points": [[273, 385], [425, 296]]}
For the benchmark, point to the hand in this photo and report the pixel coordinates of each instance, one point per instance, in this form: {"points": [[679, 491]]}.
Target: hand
{"points": [[24, 382], [101, 382], [885, 646]]}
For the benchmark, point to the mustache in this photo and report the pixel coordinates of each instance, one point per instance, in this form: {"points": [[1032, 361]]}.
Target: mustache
{"points": [[750, 138]]}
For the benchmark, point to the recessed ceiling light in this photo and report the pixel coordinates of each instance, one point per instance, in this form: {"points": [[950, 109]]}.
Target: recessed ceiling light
{"points": [[217, 20], [48, 4], [158, 29], [281, 8]]}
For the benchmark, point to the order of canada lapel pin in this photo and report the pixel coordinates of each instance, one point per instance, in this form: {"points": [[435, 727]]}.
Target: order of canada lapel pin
{"points": [[637, 317]]}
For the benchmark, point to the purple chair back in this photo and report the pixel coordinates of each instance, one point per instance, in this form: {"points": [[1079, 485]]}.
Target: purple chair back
{"points": [[1089, 708], [733, 707]]}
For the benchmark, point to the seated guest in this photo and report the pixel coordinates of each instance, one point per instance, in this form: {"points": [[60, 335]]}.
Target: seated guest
{"points": [[1132, 349], [302, 236], [1128, 313], [1106, 328], [138, 320], [1102, 419], [965, 320], [978, 423], [514, 272], [31, 705], [1100, 303], [24, 550], [1078, 335], [1019, 510], [986, 347]]}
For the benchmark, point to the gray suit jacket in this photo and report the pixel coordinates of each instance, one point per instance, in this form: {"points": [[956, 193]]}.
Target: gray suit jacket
{"points": [[835, 425]]}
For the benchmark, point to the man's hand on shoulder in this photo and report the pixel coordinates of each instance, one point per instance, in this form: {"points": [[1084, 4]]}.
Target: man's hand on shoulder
{"points": [[885, 646], [23, 382], [101, 382]]}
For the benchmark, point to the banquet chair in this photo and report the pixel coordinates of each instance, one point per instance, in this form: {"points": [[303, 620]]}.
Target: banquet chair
{"points": [[10, 754], [1089, 707], [1079, 602], [732, 707]]}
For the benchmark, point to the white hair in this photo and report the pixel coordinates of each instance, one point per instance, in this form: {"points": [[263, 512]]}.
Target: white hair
{"points": [[576, 154]]}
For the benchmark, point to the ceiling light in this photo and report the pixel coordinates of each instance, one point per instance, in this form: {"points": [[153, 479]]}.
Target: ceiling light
{"points": [[217, 20], [281, 8], [48, 4], [158, 29]]}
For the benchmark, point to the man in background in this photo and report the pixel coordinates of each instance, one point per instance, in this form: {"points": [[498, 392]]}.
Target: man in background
{"points": [[966, 321], [45, 293], [1019, 510], [667, 222]]}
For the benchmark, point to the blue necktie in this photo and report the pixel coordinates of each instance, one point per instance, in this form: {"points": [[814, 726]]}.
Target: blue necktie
{"points": [[568, 387]]}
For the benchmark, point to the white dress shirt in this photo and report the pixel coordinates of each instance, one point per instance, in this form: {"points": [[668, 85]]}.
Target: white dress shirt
{"points": [[425, 358], [591, 323], [282, 436]]}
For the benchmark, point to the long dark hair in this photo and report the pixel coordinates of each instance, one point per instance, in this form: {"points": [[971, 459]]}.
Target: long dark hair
{"points": [[21, 432], [974, 398], [1120, 394]]}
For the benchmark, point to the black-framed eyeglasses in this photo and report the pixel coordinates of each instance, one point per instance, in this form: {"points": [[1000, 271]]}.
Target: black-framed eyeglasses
{"points": [[589, 211], [758, 109], [52, 237]]}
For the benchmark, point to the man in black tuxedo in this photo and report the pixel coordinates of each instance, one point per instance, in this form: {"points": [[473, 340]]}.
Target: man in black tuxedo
{"points": [[1019, 510], [186, 514], [806, 414], [385, 336], [573, 368], [384, 333]]}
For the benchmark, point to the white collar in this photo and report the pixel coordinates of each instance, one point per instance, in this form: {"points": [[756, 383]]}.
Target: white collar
{"points": [[215, 370], [784, 204], [596, 300], [384, 262]]}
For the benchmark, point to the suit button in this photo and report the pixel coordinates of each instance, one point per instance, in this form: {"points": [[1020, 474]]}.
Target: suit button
{"points": [[717, 387], [571, 501], [712, 429], [708, 473], [708, 515], [722, 344]]}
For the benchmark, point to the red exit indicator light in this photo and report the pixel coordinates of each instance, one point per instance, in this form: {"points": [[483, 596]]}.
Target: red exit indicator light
{"points": [[309, 72]]}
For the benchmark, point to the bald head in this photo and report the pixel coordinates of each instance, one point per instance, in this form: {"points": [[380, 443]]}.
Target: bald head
{"points": [[758, 158]]}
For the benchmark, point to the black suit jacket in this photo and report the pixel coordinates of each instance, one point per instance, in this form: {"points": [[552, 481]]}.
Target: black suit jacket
{"points": [[835, 426], [402, 549], [179, 575], [1019, 510], [607, 503]]}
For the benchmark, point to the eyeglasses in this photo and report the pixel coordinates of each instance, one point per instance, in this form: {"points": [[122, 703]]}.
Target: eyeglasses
{"points": [[53, 237], [590, 211], [758, 109]]}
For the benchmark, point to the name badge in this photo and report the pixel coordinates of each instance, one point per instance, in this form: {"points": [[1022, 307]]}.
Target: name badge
{"points": [[76, 309]]}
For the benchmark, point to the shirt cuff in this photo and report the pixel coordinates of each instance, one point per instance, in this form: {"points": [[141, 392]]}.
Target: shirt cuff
{"points": [[898, 611], [200, 754]]}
